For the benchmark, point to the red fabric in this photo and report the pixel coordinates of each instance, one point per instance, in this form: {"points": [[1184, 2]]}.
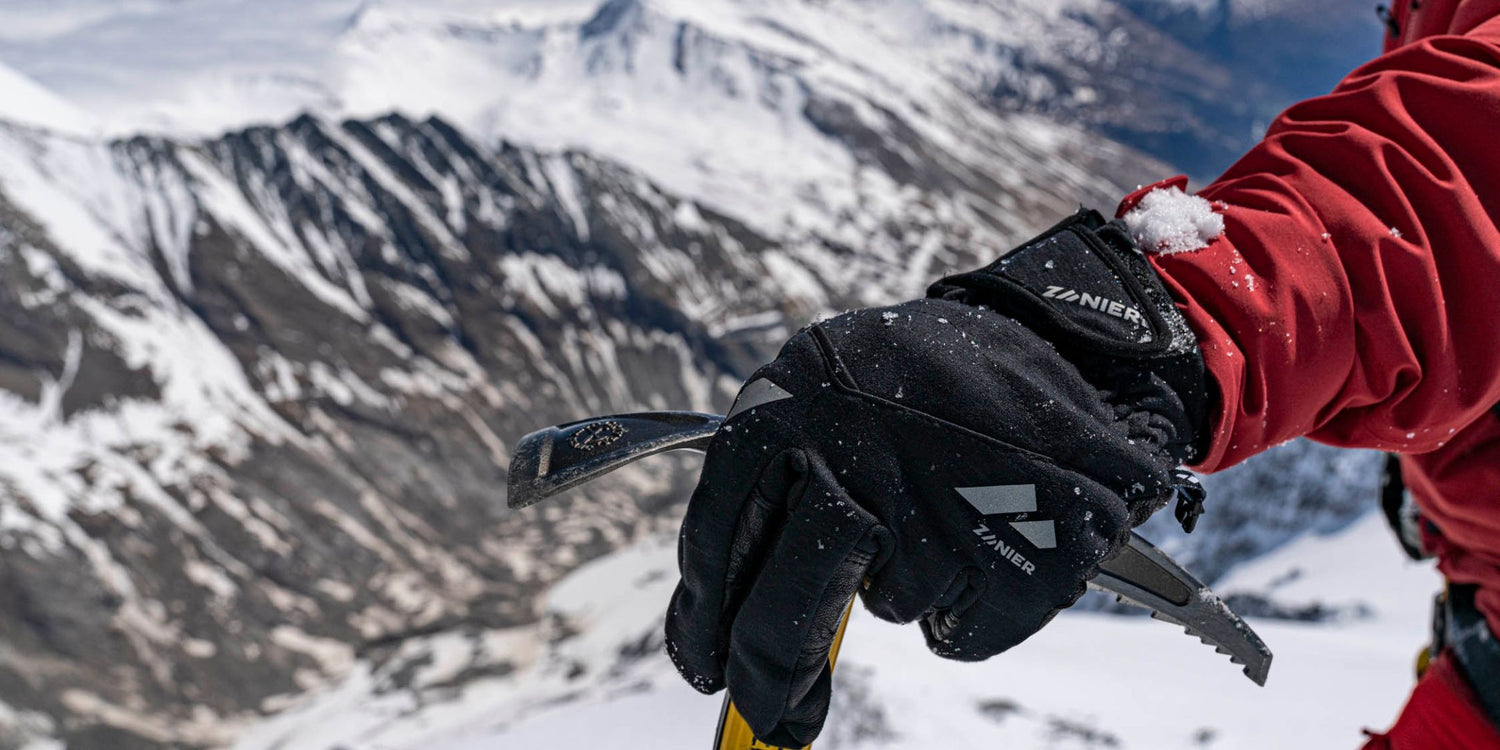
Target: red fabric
{"points": [[1457, 487], [1355, 298], [1440, 715], [1429, 18]]}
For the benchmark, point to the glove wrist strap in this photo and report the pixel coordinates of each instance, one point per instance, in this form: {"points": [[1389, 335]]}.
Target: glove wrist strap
{"points": [[1084, 286]]}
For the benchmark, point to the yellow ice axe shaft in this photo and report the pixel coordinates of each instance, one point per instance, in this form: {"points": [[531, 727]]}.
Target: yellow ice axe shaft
{"points": [[735, 734]]}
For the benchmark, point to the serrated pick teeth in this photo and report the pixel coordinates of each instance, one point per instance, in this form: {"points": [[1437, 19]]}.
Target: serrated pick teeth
{"points": [[1218, 647]]}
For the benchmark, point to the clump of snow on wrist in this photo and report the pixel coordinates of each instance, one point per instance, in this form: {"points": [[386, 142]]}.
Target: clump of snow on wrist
{"points": [[1169, 221]]}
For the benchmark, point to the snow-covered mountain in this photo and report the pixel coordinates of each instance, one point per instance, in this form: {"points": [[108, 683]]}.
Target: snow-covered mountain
{"points": [[280, 282], [1191, 80]]}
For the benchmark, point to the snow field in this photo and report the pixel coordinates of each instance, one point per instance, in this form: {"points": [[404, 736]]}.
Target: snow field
{"points": [[1087, 680]]}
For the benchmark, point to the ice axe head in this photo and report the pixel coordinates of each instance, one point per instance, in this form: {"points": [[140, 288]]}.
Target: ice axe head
{"points": [[555, 459]]}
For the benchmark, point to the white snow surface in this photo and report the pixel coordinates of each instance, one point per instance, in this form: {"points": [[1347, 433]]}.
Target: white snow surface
{"points": [[26, 102], [1168, 221], [1140, 682]]}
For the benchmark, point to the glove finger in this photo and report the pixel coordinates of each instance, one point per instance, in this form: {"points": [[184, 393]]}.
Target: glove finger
{"points": [[917, 583], [993, 623], [725, 536], [778, 670]]}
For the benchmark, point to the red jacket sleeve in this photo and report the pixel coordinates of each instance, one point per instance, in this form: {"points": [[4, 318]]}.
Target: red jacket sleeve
{"points": [[1441, 714], [1355, 294]]}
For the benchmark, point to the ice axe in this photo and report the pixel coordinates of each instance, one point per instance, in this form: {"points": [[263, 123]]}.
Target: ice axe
{"points": [[555, 459]]}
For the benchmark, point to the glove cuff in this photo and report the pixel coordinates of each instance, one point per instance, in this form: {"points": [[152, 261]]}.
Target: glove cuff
{"points": [[1084, 287]]}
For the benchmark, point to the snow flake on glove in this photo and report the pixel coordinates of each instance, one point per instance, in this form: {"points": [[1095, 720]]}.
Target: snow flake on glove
{"points": [[1168, 221]]}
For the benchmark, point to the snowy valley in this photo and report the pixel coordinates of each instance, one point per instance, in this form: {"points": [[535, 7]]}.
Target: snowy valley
{"points": [[1133, 682]]}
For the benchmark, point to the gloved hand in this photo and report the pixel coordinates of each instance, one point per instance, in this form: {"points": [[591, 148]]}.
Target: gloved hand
{"points": [[965, 461]]}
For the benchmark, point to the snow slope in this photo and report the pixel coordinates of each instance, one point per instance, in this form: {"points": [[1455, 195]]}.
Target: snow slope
{"points": [[1088, 680], [26, 102]]}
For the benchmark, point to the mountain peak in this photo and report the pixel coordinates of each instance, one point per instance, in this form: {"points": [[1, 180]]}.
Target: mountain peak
{"points": [[612, 16]]}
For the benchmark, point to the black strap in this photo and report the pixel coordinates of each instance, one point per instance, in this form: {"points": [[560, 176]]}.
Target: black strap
{"points": [[1400, 511], [1389, 19], [1474, 646]]}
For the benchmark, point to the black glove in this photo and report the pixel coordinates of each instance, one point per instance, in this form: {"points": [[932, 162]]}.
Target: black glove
{"points": [[965, 461]]}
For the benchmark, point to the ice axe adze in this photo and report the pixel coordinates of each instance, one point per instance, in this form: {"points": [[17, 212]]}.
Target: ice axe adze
{"points": [[549, 461]]}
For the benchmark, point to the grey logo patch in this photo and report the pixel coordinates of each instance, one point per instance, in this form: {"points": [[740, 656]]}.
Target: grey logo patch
{"points": [[1012, 500], [1041, 534], [1121, 310], [1005, 498], [598, 435], [758, 392]]}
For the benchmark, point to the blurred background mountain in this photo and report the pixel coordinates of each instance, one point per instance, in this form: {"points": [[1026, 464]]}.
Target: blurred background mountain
{"points": [[281, 281]]}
